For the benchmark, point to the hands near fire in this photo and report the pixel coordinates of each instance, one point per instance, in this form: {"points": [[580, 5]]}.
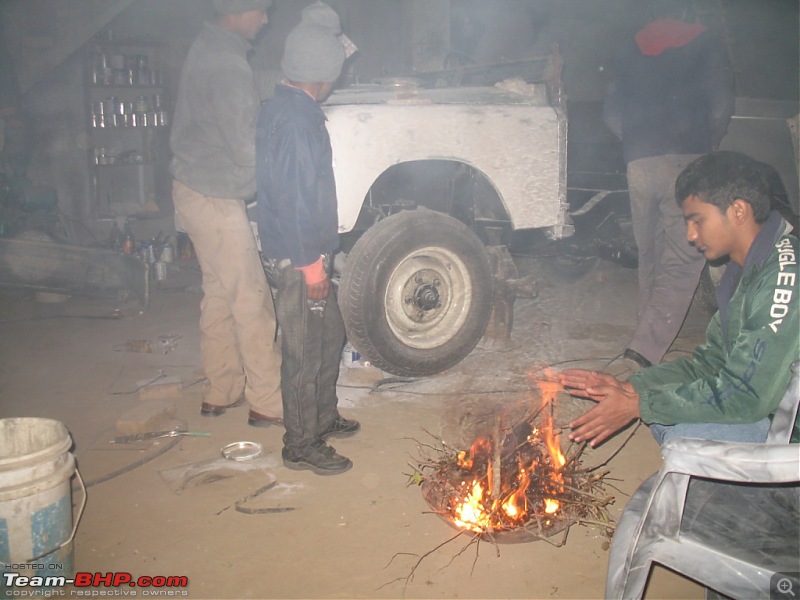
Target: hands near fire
{"points": [[617, 404], [578, 380]]}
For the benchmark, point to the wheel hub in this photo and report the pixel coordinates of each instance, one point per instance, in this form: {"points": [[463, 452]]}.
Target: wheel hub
{"points": [[427, 297], [422, 295]]}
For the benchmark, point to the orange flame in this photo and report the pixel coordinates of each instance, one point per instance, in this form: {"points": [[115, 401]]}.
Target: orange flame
{"points": [[549, 388], [475, 509], [516, 503], [551, 506], [471, 513]]}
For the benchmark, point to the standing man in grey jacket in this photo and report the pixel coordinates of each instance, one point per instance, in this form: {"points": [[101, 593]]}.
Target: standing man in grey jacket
{"points": [[213, 146]]}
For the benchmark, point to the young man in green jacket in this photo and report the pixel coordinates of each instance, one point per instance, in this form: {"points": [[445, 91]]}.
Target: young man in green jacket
{"points": [[729, 387]]}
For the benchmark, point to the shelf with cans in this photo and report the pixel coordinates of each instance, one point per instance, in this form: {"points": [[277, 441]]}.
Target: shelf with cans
{"points": [[124, 65], [128, 123], [143, 111], [122, 129]]}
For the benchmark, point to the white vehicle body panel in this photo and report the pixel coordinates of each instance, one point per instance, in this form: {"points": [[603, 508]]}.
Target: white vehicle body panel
{"points": [[517, 141]]}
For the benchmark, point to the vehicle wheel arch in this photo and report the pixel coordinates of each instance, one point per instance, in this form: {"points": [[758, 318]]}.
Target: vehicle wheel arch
{"points": [[450, 186]]}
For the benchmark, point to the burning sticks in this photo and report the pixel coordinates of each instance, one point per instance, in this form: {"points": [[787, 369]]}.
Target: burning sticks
{"points": [[516, 485]]}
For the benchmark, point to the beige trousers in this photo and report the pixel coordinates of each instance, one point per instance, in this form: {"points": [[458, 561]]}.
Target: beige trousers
{"points": [[237, 320]]}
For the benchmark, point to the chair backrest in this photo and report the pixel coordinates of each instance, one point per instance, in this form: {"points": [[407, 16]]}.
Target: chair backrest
{"points": [[785, 417]]}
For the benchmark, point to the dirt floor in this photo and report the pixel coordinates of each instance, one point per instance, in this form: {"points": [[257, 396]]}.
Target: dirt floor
{"points": [[174, 507]]}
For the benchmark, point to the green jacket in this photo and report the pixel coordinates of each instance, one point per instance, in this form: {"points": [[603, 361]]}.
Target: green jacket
{"points": [[741, 372]]}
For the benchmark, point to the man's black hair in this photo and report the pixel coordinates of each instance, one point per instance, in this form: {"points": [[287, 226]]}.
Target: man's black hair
{"points": [[720, 178]]}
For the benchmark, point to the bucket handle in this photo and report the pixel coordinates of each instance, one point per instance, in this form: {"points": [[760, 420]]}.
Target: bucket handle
{"points": [[76, 519]]}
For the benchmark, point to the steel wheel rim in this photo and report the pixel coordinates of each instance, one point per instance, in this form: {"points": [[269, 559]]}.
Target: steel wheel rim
{"points": [[428, 297]]}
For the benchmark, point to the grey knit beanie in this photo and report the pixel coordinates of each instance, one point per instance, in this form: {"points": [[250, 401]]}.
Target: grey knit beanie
{"points": [[314, 53], [229, 7]]}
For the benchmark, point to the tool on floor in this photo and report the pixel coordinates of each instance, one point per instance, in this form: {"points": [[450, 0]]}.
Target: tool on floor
{"points": [[163, 344], [238, 505], [153, 435]]}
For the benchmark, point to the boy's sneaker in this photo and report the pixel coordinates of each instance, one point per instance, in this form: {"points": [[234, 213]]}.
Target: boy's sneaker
{"points": [[320, 459], [341, 428]]}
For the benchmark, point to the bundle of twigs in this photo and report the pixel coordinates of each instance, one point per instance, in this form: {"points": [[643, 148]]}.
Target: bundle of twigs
{"points": [[514, 461]]}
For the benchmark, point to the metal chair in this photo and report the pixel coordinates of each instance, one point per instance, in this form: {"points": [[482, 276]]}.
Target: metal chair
{"points": [[726, 515]]}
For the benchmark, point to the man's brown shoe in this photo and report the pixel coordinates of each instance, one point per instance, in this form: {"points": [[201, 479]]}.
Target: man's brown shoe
{"points": [[215, 410], [255, 419]]}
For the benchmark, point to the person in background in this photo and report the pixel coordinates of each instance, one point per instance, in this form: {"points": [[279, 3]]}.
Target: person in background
{"points": [[728, 388], [214, 169], [298, 223], [671, 99]]}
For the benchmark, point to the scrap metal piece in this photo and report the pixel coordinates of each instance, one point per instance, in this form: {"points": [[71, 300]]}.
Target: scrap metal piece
{"points": [[153, 435]]}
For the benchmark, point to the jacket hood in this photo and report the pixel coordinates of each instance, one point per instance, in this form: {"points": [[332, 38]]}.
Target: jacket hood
{"points": [[663, 34]]}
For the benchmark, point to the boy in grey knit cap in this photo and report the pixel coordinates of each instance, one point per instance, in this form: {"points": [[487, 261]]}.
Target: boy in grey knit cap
{"points": [[298, 227], [314, 50]]}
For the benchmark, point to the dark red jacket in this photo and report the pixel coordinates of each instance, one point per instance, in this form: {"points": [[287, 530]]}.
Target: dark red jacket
{"points": [[672, 91]]}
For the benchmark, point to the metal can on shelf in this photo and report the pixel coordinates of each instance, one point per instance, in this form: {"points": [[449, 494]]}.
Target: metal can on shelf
{"points": [[141, 105], [120, 76], [160, 270], [148, 253], [110, 105]]}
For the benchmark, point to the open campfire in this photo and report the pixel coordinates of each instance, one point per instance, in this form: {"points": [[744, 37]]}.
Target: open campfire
{"points": [[516, 484]]}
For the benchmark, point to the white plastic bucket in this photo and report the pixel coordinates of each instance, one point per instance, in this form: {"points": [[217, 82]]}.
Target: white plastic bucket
{"points": [[36, 525]]}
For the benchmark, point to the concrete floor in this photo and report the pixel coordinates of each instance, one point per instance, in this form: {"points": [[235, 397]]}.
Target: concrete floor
{"points": [[356, 535]]}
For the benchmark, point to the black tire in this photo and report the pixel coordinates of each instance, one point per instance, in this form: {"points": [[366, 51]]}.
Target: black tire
{"points": [[416, 293]]}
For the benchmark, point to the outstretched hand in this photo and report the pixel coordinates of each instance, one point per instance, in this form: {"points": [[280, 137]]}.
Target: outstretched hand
{"points": [[617, 404], [578, 381]]}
